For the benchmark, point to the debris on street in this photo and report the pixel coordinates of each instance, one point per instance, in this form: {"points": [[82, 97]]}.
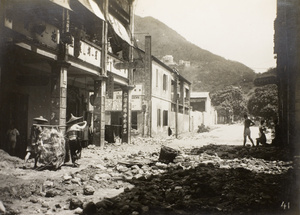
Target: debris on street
{"points": [[132, 179]]}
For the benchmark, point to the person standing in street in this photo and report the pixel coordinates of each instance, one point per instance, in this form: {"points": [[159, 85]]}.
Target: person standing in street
{"points": [[73, 143], [247, 132], [12, 138]]}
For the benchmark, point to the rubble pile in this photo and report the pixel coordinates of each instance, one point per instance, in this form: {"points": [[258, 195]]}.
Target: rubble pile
{"points": [[208, 180], [150, 141], [7, 161], [231, 152], [202, 190], [194, 184], [252, 164]]}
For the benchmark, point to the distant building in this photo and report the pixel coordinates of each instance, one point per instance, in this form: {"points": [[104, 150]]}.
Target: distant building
{"points": [[168, 60], [185, 63], [202, 110]]}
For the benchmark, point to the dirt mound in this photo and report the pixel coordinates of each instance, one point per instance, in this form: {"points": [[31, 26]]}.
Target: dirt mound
{"points": [[7, 161]]}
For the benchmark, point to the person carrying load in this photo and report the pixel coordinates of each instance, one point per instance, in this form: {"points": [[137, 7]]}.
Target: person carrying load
{"points": [[73, 142]]}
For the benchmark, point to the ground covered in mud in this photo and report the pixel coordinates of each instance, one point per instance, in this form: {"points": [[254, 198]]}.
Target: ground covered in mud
{"points": [[130, 179]]}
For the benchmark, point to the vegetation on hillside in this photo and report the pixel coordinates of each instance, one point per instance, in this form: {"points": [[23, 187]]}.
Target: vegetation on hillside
{"points": [[230, 83], [208, 72]]}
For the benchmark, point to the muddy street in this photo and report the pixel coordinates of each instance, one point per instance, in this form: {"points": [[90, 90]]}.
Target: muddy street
{"points": [[213, 174]]}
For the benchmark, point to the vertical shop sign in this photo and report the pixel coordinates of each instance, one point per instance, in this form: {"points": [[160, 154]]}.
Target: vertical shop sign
{"points": [[125, 114]]}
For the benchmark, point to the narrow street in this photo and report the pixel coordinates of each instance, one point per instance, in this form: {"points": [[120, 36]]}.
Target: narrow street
{"points": [[128, 179], [128, 80], [219, 134]]}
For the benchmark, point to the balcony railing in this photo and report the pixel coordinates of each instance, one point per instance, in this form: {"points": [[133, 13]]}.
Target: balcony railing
{"points": [[86, 52], [91, 53]]}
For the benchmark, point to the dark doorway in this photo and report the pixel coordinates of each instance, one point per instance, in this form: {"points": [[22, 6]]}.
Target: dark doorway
{"points": [[15, 111], [115, 128], [134, 120], [73, 102]]}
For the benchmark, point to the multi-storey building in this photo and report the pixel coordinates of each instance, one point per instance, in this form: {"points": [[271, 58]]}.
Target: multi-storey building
{"points": [[164, 97], [58, 57]]}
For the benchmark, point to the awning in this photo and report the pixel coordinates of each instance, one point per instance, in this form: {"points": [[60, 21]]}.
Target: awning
{"points": [[62, 3], [93, 7], [119, 29]]}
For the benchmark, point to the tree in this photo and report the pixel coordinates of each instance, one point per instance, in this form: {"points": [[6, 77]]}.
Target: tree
{"points": [[264, 102], [229, 102]]}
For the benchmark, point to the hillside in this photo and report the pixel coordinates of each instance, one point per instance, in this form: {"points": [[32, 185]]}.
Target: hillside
{"points": [[208, 72]]}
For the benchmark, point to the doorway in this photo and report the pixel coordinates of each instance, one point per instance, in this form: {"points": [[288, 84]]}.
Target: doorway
{"points": [[15, 112]]}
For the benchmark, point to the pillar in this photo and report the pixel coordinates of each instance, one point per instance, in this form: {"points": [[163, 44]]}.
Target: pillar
{"points": [[59, 78], [99, 112], [100, 87], [58, 104]]}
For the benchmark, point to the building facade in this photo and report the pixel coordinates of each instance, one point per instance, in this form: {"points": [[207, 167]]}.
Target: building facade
{"points": [[165, 97], [286, 38], [202, 110], [287, 47], [59, 57]]}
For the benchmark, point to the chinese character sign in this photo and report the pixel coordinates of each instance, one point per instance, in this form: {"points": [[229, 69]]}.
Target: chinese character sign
{"points": [[125, 112]]}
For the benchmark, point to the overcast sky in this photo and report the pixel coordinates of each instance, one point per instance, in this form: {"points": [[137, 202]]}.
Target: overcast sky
{"points": [[239, 30]]}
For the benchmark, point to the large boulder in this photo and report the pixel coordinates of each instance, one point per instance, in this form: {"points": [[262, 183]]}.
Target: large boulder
{"points": [[168, 154]]}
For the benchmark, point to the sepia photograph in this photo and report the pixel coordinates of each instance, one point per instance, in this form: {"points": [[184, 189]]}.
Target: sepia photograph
{"points": [[149, 107]]}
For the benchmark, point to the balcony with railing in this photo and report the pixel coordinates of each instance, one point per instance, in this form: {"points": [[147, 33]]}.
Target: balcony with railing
{"points": [[40, 26]]}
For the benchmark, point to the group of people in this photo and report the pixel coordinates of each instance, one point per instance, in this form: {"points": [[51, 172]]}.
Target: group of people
{"points": [[262, 139], [73, 145]]}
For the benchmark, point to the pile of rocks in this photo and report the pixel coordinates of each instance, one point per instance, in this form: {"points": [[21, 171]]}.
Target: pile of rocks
{"points": [[203, 189], [199, 181], [191, 184], [231, 152]]}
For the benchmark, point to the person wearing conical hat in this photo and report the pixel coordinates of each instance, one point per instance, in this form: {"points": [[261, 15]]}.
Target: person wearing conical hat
{"points": [[73, 119], [73, 142], [36, 130]]}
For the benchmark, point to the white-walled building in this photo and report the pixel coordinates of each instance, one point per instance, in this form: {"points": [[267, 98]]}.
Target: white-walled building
{"points": [[202, 110], [162, 86]]}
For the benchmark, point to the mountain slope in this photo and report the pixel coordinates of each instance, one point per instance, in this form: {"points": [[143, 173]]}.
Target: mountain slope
{"points": [[208, 72]]}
